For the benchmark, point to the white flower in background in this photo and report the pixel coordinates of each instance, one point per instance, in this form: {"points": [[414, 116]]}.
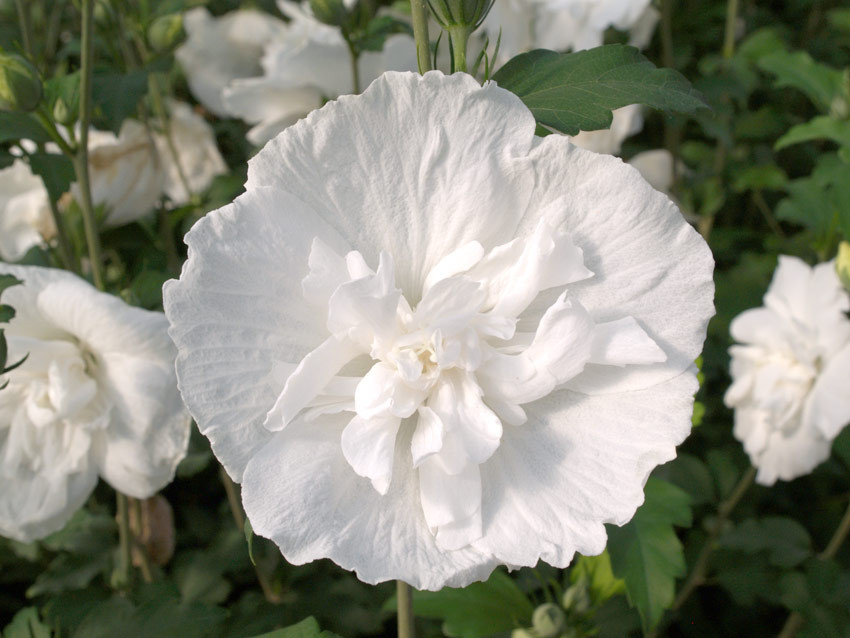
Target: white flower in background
{"points": [[198, 157], [25, 219], [656, 166], [125, 173], [221, 49], [563, 25], [627, 122], [96, 396], [791, 372], [423, 357], [305, 67]]}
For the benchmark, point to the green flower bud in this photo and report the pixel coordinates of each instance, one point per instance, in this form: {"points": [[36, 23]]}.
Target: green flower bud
{"points": [[548, 620], [166, 31], [842, 263], [332, 12], [460, 13], [20, 86], [577, 598]]}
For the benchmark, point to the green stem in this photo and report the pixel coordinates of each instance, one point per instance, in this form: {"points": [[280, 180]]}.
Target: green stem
{"points": [[239, 519], [404, 603], [355, 68], [697, 576], [165, 119], [795, 620], [23, 11], [81, 159], [53, 132], [141, 550], [729, 34], [69, 260], [419, 13], [459, 36], [124, 541]]}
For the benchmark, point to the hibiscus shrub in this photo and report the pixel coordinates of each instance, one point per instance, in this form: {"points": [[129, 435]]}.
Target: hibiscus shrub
{"points": [[536, 307]]}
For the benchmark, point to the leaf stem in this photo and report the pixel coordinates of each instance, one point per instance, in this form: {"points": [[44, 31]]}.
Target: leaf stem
{"points": [[81, 159], [404, 603], [698, 574], [419, 13], [239, 519], [795, 620]]}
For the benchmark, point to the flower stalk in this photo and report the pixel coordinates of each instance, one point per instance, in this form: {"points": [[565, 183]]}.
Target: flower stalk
{"points": [[419, 13], [404, 600]]}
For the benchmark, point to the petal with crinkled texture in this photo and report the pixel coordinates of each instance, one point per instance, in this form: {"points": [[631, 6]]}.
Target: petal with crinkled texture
{"points": [[231, 326], [425, 191]]}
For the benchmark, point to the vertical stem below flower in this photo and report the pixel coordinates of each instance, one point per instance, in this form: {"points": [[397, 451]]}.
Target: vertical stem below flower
{"points": [[23, 11], [81, 159], [729, 34], [124, 541], [459, 36], [404, 602], [419, 13], [355, 68]]}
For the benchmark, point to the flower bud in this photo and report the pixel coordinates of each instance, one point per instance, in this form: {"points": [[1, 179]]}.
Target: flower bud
{"points": [[548, 620], [577, 598], [166, 32], [842, 264], [460, 13], [332, 12], [20, 86]]}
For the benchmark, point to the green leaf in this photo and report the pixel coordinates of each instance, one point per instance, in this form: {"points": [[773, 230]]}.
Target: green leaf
{"points": [[7, 313], [56, 170], [7, 281], [27, 624], [569, 92], [760, 177], [116, 96], [646, 553], [786, 542], [818, 128], [690, 474], [307, 628], [21, 126], [798, 70], [596, 570], [479, 609]]}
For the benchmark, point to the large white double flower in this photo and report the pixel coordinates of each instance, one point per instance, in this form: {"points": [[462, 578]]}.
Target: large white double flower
{"points": [[790, 375], [428, 342], [96, 396]]}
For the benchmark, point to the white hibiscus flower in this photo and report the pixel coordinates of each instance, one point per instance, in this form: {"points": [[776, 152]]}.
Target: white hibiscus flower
{"points": [[309, 64], [563, 25], [25, 219], [198, 157], [428, 342], [96, 396], [791, 372], [221, 49]]}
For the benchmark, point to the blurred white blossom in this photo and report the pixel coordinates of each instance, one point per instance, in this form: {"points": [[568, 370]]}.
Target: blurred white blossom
{"points": [[221, 49], [627, 121], [198, 160], [306, 65], [791, 370], [25, 219], [96, 396], [423, 357]]}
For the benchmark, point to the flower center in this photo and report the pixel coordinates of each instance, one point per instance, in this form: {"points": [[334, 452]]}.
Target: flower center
{"points": [[456, 365]]}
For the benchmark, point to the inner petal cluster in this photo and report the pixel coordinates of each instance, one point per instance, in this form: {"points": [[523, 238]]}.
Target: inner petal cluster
{"points": [[454, 363]]}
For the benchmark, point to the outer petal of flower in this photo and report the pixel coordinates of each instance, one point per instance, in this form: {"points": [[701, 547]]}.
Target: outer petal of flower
{"points": [[586, 459], [316, 509], [35, 505], [420, 188], [231, 327], [828, 406], [652, 259]]}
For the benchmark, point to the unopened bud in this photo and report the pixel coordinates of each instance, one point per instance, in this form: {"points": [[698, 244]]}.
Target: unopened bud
{"points": [[548, 620], [20, 86], [577, 598], [166, 31], [332, 12], [460, 13], [842, 264]]}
